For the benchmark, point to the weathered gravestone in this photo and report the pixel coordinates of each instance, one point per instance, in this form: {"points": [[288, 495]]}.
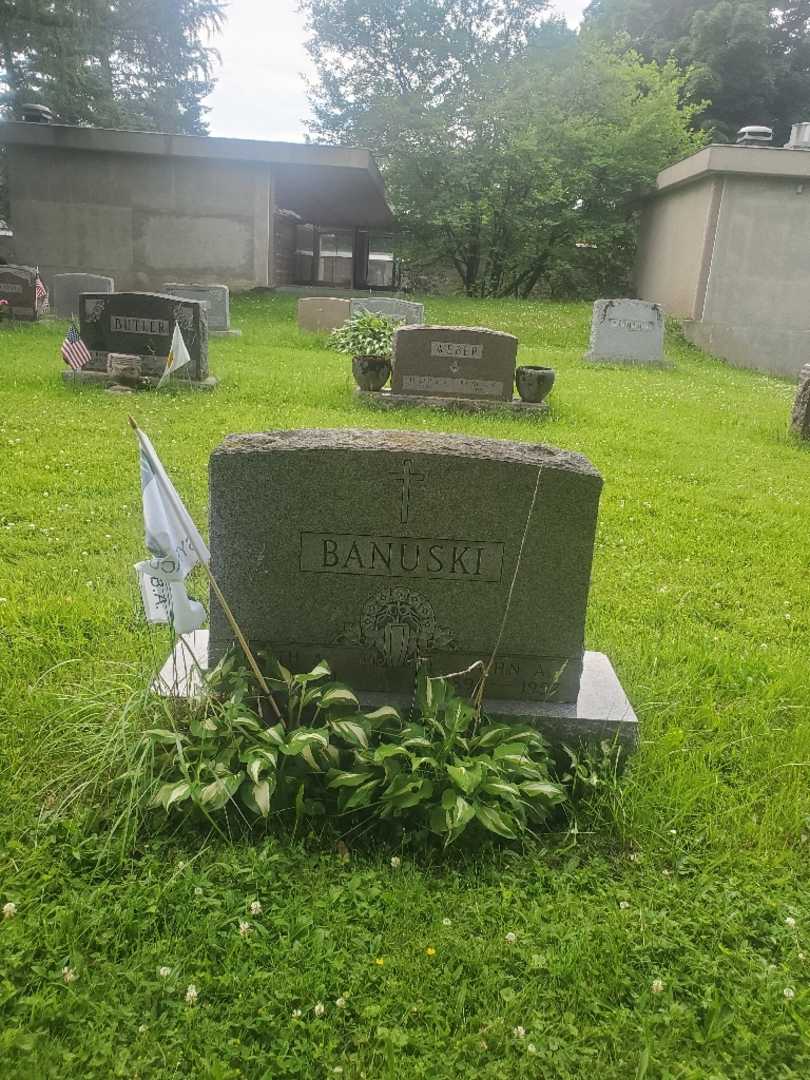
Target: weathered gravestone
{"points": [[800, 417], [405, 311], [18, 286], [454, 362], [215, 298], [627, 331], [374, 549], [142, 324], [67, 288], [322, 314]]}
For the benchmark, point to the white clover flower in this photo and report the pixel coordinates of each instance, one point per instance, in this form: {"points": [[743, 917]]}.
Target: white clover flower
{"points": [[510, 938], [245, 928], [789, 993], [338, 1069], [9, 910], [319, 1009], [657, 986], [198, 890], [790, 921], [634, 856], [69, 975], [624, 905], [519, 1032], [666, 873], [673, 832], [341, 1002], [191, 995], [447, 922], [164, 972], [297, 1014], [142, 1028], [396, 862], [256, 908], [531, 1048]]}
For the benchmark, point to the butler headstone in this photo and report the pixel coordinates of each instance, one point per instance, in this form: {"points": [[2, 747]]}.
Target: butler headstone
{"points": [[379, 549], [67, 288], [800, 417], [454, 362], [216, 299], [142, 324], [404, 311], [627, 331], [322, 314], [18, 287]]}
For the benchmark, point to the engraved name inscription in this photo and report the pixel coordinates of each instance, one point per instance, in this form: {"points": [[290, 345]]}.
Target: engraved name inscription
{"points": [[10, 287], [119, 324], [470, 387], [631, 324], [463, 349], [397, 557]]}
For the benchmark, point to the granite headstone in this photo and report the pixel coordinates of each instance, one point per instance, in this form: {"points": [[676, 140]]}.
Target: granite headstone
{"points": [[18, 286], [67, 288], [404, 311], [627, 331], [454, 362], [215, 297], [322, 314], [800, 417], [142, 324]]}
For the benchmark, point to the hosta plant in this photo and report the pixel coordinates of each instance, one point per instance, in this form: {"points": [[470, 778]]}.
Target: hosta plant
{"points": [[365, 334]]}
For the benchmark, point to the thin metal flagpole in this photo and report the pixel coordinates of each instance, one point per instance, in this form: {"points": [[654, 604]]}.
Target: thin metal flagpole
{"points": [[229, 615]]}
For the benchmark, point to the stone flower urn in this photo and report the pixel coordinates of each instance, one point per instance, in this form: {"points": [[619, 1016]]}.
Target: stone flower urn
{"points": [[371, 372], [534, 383]]}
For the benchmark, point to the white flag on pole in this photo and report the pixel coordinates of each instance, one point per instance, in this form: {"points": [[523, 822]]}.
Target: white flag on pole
{"points": [[178, 356], [172, 538]]}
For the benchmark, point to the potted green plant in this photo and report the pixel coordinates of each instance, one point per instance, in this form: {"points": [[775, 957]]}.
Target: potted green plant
{"points": [[366, 337]]}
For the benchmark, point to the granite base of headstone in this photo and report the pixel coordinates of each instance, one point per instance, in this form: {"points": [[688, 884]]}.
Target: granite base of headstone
{"points": [[404, 311], [378, 550], [800, 416], [216, 299], [322, 314], [387, 399], [142, 325], [67, 288], [627, 332], [18, 287]]}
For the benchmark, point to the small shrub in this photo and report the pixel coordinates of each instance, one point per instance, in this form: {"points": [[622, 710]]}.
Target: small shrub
{"points": [[365, 334]]}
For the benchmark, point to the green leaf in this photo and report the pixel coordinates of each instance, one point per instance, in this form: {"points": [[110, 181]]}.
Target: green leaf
{"points": [[261, 795], [337, 695], [161, 735], [352, 731], [545, 789], [466, 777], [361, 796], [304, 737], [387, 750], [386, 712], [214, 796], [169, 794], [501, 788], [496, 821], [256, 760], [347, 779], [275, 735]]}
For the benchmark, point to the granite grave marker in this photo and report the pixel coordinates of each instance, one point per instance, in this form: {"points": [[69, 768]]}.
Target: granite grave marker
{"points": [[404, 311], [375, 549], [323, 314], [800, 417], [454, 362], [18, 286], [142, 324], [67, 288], [216, 299], [627, 331]]}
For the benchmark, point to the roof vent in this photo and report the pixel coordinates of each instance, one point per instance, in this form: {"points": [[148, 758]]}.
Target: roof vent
{"points": [[799, 137], [754, 136], [36, 114]]}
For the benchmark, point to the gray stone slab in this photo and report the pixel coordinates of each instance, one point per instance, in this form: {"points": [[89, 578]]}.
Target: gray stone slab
{"points": [[18, 287], [627, 331], [602, 709], [215, 297], [146, 382], [323, 314], [800, 416], [405, 311], [142, 324], [67, 288], [373, 548], [385, 399], [454, 362]]}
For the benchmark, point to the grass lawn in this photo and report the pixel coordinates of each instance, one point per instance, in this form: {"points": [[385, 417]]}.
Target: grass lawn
{"points": [[692, 872]]}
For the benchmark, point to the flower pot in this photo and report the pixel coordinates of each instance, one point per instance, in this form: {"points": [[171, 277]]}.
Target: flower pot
{"points": [[371, 372], [534, 383]]}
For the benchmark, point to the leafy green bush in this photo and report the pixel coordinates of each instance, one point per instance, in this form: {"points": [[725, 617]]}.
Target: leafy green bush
{"points": [[366, 334], [440, 772]]}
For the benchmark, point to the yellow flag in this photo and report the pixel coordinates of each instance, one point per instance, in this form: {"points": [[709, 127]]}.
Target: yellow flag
{"points": [[178, 356]]}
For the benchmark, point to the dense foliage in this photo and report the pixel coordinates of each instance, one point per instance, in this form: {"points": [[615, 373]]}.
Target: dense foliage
{"points": [[512, 151], [143, 64], [365, 334], [749, 58]]}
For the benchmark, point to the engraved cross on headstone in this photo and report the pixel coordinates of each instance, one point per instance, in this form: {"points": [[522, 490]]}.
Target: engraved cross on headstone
{"points": [[407, 476]]}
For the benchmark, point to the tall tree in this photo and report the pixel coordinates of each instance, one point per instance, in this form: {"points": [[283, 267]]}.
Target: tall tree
{"points": [[144, 64], [749, 58]]}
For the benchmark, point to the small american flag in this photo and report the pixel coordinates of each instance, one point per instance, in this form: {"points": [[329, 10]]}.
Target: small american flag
{"points": [[74, 351], [42, 292]]}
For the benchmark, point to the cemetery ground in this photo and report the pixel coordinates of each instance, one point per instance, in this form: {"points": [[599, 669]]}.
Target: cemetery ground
{"points": [[663, 933]]}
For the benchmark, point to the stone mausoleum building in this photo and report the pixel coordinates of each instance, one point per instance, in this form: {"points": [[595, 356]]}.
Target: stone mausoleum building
{"points": [[146, 208], [725, 246]]}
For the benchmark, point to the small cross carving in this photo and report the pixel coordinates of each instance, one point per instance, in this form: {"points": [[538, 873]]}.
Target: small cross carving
{"points": [[408, 475]]}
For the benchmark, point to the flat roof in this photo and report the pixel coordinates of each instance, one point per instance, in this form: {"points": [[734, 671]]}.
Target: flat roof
{"points": [[325, 185], [740, 160]]}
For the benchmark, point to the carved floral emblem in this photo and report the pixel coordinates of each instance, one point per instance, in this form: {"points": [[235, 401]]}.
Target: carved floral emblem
{"points": [[399, 625]]}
